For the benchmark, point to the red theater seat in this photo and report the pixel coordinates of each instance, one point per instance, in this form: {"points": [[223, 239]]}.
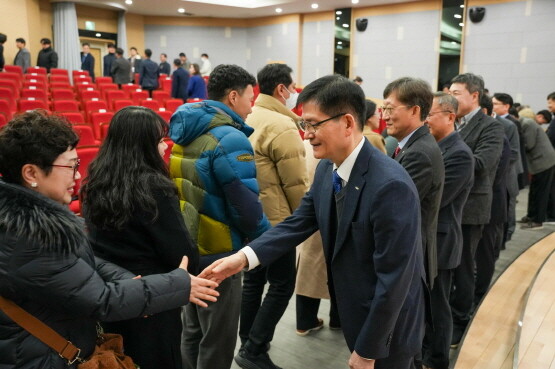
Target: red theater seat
{"points": [[151, 104], [86, 135], [25, 105], [99, 118], [65, 105], [62, 94], [120, 104], [74, 117], [173, 104]]}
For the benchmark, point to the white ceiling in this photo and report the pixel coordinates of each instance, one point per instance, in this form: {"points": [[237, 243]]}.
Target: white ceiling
{"points": [[231, 8]]}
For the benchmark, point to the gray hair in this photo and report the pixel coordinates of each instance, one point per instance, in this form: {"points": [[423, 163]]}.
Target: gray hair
{"points": [[446, 101]]}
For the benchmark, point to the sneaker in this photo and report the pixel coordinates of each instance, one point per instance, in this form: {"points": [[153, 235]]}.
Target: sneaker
{"points": [[524, 219], [532, 226], [304, 332], [246, 360]]}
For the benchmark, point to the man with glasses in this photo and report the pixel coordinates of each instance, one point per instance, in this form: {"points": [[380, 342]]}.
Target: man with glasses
{"points": [[459, 176], [366, 208], [407, 102]]}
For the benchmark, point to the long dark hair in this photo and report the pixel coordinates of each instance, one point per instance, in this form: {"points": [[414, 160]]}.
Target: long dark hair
{"points": [[128, 169]]}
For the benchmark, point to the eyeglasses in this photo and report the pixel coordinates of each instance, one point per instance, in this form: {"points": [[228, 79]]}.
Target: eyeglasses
{"points": [[311, 127], [75, 167], [389, 109], [432, 113]]}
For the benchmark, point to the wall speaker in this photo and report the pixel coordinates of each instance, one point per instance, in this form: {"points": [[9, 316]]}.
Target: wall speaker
{"points": [[477, 14], [362, 24]]}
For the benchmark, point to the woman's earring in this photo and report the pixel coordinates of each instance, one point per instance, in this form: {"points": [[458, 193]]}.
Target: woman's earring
{"points": [[34, 184]]}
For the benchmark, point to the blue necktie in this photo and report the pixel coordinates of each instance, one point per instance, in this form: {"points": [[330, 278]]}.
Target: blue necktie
{"points": [[337, 183]]}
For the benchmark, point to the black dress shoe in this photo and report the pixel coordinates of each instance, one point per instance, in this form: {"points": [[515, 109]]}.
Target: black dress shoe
{"points": [[246, 360]]}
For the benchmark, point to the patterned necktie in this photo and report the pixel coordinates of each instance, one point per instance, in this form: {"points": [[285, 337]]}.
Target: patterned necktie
{"points": [[462, 122], [337, 183], [396, 152]]}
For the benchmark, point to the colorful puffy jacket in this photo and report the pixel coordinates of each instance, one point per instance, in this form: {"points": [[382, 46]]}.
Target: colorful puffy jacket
{"points": [[212, 164]]}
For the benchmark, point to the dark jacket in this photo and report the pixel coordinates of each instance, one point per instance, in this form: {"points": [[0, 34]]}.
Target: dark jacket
{"points": [[499, 200], [180, 81], [484, 135], [108, 60], [87, 63], [149, 74], [422, 159], [48, 268], [165, 68], [23, 59], [48, 59], [2, 58], [121, 68], [459, 177], [539, 151]]}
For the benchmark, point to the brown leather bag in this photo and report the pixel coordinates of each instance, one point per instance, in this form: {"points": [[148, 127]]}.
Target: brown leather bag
{"points": [[108, 353]]}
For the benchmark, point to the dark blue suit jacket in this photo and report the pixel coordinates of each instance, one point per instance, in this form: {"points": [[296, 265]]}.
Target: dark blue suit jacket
{"points": [[376, 265], [180, 81], [88, 64], [149, 74], [459, 177]]}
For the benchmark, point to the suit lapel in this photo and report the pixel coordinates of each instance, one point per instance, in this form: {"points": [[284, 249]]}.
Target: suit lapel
{"points": [[472, 125], [415, 136], [353, 190]]}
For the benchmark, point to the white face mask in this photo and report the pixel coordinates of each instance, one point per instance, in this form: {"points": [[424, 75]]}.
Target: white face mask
{"points": [[291, 102]]}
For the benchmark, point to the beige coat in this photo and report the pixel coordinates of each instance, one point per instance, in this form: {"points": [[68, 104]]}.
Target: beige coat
{"points": [[312, 275], [375, 139], [279, 154]]}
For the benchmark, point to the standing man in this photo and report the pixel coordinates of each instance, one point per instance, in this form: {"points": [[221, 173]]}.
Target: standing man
{"points": [[23, 56], [148, 73], [373, 251], [135, 61], [551, 134], [281, 173], [484, 135], [47, 57], [164, 67], [109, 59], [206, 67], [185, 64], [407, 102], [212, 164], [180, 81], [3, 39], [120, 69], [459, 176], [87, 60]]}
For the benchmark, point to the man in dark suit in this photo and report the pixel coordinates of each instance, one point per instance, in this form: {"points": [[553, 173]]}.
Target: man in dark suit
{"points": [[87, 60], [47, 57], [180, 81], [551, 134], [23, 56], [164, 67], [121, 68], [407, 102], [484, 135], [459, 177], [373, 251], [109, 59], [149, 73]]}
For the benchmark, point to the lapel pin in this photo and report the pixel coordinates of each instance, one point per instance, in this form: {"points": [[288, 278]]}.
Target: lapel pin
{"points": [[356, 187]]}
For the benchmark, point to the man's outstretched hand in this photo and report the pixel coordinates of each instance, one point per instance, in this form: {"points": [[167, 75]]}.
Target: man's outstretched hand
{"points": [[201, 289], [225, 267]]}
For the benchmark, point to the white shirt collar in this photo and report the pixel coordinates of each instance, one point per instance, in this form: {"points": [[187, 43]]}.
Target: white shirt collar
{"points": [[404, 141], [346, 167]]}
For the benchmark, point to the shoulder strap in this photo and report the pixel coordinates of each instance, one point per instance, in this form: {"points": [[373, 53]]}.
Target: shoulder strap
{"points": [[44, 333]]}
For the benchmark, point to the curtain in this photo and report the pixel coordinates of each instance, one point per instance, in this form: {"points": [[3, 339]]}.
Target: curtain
{"points": [[66, 36], [122, 31]]}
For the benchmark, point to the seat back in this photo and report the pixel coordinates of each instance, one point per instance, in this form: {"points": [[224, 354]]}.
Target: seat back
{"points": [[12, 85], [3, 120], [25, 105], [62, 94], [73, 117], [7, 95], [151, 104], [37, 70], [66, 105], [138, 95], [34, 93], [113, 95], [5, 110], [120, 104], [86, 135], [14, 69], [59, 78], [58, 72], [165, 114], [173, 104], [97, 119], [130, 87], [101, 80], [161, 96]]}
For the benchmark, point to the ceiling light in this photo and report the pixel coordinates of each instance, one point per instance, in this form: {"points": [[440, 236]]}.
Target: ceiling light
{"points": [[314, 6], [181, 10], [339, 12], [98, 35], [279, 10], [345, 25], [461, 24], [340, 42], [453, 42], [354, 1], [458, 16], [337, 18], [129, 2], [462, 5]]}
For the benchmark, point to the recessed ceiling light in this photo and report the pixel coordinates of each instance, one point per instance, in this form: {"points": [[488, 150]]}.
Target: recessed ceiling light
{"points": [[461, 24], [337, 18], [462, 5], [98, 35], [453, 42], [458, 16], [314, 6], [339, 12], [129, 2], [340, 42], [345, 25], [354, 1], [279, 10], [181, 10]]}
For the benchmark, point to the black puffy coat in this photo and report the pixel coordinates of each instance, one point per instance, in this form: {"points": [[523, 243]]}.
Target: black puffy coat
{"points": [[48, 268]]}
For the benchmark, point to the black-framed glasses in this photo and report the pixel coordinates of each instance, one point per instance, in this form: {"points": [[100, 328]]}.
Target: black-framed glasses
{"points": [[432, 113], [311, 127], [75, 167], [389, 109]]}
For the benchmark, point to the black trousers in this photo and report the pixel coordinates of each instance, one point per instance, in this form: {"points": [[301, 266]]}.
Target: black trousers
{"points": [[307, 312], [551, 201], [259, 318], [486, 255], [462, 295], [437, 340], [540, 187]]}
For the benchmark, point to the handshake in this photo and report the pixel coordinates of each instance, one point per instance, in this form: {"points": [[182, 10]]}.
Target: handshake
{"points": [[203, 286]]}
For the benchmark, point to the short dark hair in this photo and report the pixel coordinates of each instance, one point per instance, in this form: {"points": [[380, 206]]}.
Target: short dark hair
{"points": [[486, 102], [33, 138], [45, 41], [182, 54], [446, 101], [412, 92], [119, 51], [133, 48], [514, 112], [165, 55], [546, 114], [504, 98], [201, 55], [85, 44], [551, 96], [111, 45], [473, 82], [335, 94], [273, 75], [177, 62], [357, 79], [148, 53], [226, 78], [370, 109], [3, 38], [21, 40]]}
